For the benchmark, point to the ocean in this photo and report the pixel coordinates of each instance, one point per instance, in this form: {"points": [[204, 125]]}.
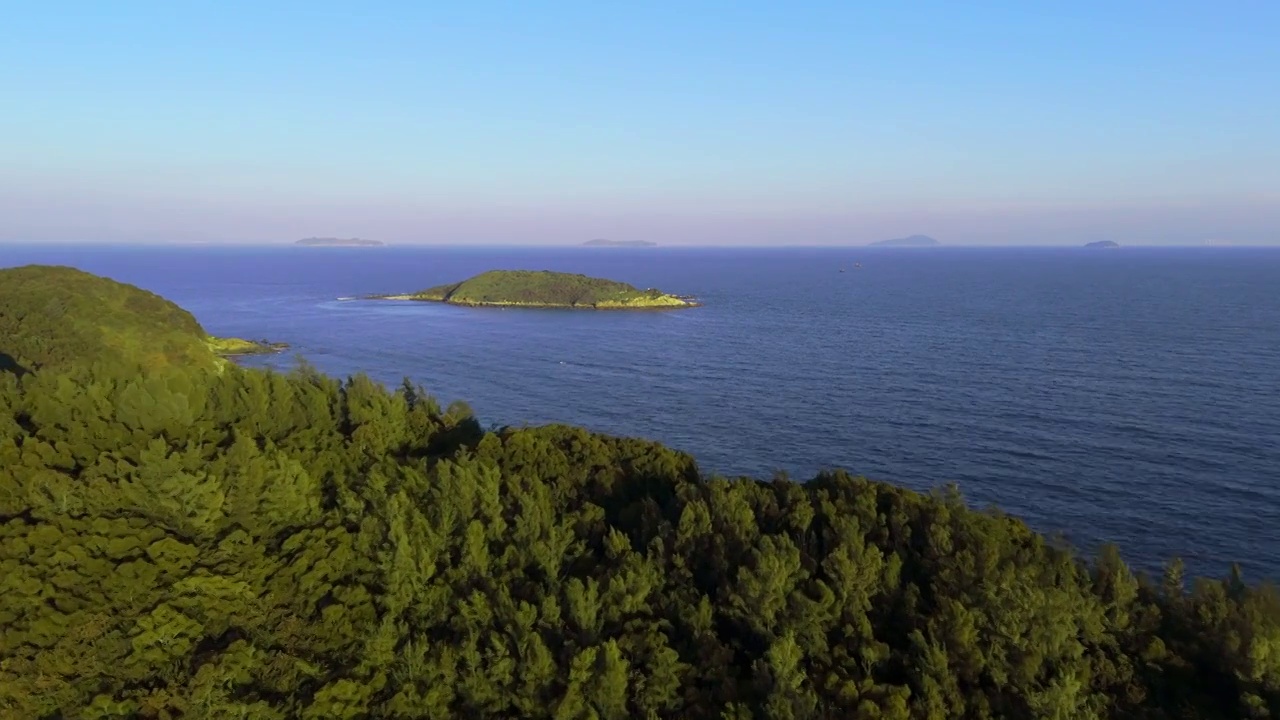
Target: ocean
{"points": [[1130, 396]]}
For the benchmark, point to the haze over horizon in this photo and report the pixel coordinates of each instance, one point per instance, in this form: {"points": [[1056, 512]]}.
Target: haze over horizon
{"points": [[712, 123]]}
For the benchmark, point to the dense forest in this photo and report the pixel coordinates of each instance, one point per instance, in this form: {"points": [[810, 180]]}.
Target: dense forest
{"points": [[180, 542]]}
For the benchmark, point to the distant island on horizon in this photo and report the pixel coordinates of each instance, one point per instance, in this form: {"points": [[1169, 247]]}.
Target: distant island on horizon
{"points": [[909, 241], [1103, 244], [601, 242], [339, 242]]}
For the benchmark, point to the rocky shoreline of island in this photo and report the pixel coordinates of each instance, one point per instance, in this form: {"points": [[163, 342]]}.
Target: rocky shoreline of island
{"points": [[239, 347]]}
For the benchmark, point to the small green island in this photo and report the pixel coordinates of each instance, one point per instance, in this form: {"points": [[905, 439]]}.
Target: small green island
{"points": [[545, 289], [1103, 245]]}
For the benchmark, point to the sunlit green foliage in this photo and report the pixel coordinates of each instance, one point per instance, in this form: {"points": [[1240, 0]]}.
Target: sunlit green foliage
{"points": [[546, 289], [55, 317], [239, 346]]}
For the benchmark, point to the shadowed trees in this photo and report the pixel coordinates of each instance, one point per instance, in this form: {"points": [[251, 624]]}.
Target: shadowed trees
{"points": [[243, 543]]}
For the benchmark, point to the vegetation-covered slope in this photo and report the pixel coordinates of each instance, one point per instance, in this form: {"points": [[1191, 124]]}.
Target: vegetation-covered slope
{"points": [[52, 316], [544, 288], [242, 544], [253, 545]]}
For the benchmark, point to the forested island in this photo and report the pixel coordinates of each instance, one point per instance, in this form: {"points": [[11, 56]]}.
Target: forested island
{"points": [[909, 241], [339, 242], [545, 289], [601, 242], [183, 538], [1103, 244]]}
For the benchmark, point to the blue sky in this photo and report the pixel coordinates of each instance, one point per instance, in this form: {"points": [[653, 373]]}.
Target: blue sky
{"points": [[693, 122]]}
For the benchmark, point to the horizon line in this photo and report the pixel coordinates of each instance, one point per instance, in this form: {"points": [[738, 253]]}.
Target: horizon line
{"points": [[657, 246]]}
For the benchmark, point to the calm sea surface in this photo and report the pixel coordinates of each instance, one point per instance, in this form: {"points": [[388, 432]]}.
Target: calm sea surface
{"points": [[1129, 395]]}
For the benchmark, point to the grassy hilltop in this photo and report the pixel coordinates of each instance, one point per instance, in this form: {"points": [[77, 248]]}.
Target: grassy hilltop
{"points": [[545, 289], [53, 316], [186, 543]]}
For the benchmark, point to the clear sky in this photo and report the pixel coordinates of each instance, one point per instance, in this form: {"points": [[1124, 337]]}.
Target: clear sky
{"points": [[743, 122]]}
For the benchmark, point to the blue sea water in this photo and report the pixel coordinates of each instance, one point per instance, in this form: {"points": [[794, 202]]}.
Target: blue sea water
{"points": [[1129, 396]]}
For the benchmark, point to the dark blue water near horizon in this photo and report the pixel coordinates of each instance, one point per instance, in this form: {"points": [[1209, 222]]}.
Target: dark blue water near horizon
{"points": [[1129, 396]]}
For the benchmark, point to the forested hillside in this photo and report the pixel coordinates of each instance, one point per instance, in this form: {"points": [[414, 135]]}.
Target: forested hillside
{"points": [[55, 317], [242, 544]]}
